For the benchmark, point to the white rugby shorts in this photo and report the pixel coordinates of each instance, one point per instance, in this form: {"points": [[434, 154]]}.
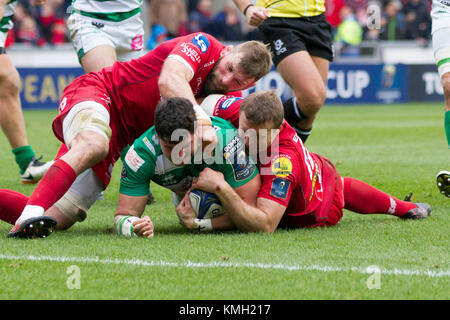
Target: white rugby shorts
{"points": [[126, 37]]}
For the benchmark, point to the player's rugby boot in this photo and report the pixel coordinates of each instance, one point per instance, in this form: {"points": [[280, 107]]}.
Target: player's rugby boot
{"points": [[443, 182], [35, 170], [36, 227], [422, 211]]}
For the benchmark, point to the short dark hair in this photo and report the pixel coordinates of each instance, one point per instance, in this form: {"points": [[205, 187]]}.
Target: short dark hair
{"points": [[172, 114], [263, 106], [256, 59]]}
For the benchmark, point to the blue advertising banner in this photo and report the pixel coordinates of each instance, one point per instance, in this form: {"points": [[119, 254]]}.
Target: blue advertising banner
{"points": [[425, 83], [42, 87], [378, 83], [347, 84]]}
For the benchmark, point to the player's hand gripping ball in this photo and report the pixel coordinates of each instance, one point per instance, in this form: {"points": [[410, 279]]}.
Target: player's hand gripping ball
{"points": [[206, 205]]}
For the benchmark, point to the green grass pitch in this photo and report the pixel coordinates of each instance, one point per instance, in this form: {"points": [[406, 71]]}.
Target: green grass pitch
{"points": [[397, 148]]}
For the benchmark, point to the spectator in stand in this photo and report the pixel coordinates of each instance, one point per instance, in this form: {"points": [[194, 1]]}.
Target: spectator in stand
{"points": [[359, 8], [168, 20], [27, 31], [46, 16], [392, 22], [201, 19], [333, 7], [158, 35], [357, 5], [59, 31], [349, 33], [191, 5], [226, 25], [417, 20]]}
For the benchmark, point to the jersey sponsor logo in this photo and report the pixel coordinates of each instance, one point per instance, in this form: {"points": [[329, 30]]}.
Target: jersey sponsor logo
{"points": [[280, 188], [224, 105], [133, 160], [137, 43], [199, 83], [209, 63], [282, 166], [149, 145], [233, 146], [190, 52], [201, 41]]}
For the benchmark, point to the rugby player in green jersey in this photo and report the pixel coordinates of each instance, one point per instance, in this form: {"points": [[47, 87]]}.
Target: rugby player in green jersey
{"points": [[170, 155]]}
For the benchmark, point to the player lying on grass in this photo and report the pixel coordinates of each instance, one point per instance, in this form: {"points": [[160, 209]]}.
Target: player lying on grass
{"points": [[298, 188], [154, 157], [101, 113], [170, 155]]}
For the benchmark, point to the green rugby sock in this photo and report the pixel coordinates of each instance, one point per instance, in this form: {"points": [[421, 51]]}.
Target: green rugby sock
{"points": [[447, 127], [23, 157]]}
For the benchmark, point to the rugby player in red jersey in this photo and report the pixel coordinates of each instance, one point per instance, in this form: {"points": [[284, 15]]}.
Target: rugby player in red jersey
{"points": [[100, 113], [298, 188]]}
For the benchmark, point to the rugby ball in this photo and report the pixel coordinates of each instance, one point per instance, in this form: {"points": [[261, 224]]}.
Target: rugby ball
{"points": [[206, 205]]}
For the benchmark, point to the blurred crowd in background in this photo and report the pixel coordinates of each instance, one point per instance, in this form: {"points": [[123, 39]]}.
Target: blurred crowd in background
{"points": [[352, 21]]}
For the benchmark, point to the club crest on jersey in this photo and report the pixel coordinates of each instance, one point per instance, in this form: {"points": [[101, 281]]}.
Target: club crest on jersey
{"points": [[228, 102], [282, 167], [201, 41]]}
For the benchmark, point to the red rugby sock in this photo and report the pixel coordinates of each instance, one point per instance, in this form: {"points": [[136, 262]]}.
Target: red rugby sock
{"points": [[362, 198], [53, 185], [11, 205], [62, 151]]}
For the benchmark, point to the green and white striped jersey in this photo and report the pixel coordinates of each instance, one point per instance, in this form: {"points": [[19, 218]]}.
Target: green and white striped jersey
{"points": [[6, 21], [110, 10], [145, 162]]}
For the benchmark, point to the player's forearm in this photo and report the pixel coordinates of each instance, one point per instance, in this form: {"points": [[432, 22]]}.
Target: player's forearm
{"points": [[175, 85], [223, 222], [244, 216], [242, 4]]}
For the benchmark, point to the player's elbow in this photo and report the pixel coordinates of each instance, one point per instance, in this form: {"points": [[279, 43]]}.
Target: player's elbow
{"points": [[269, 227], [164, 85]]}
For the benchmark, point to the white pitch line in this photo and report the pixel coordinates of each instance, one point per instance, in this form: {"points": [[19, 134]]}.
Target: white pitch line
{"points": [[194, 265]]}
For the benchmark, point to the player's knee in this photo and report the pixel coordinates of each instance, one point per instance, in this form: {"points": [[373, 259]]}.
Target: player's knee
{"points": [[89, 133], [9, 83], [446, 84], [313, 99], [90, 146]]}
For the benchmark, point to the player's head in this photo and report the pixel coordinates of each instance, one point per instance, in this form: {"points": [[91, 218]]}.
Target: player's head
{"points": [[239, 67], [175, 126], [260, 116]]}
